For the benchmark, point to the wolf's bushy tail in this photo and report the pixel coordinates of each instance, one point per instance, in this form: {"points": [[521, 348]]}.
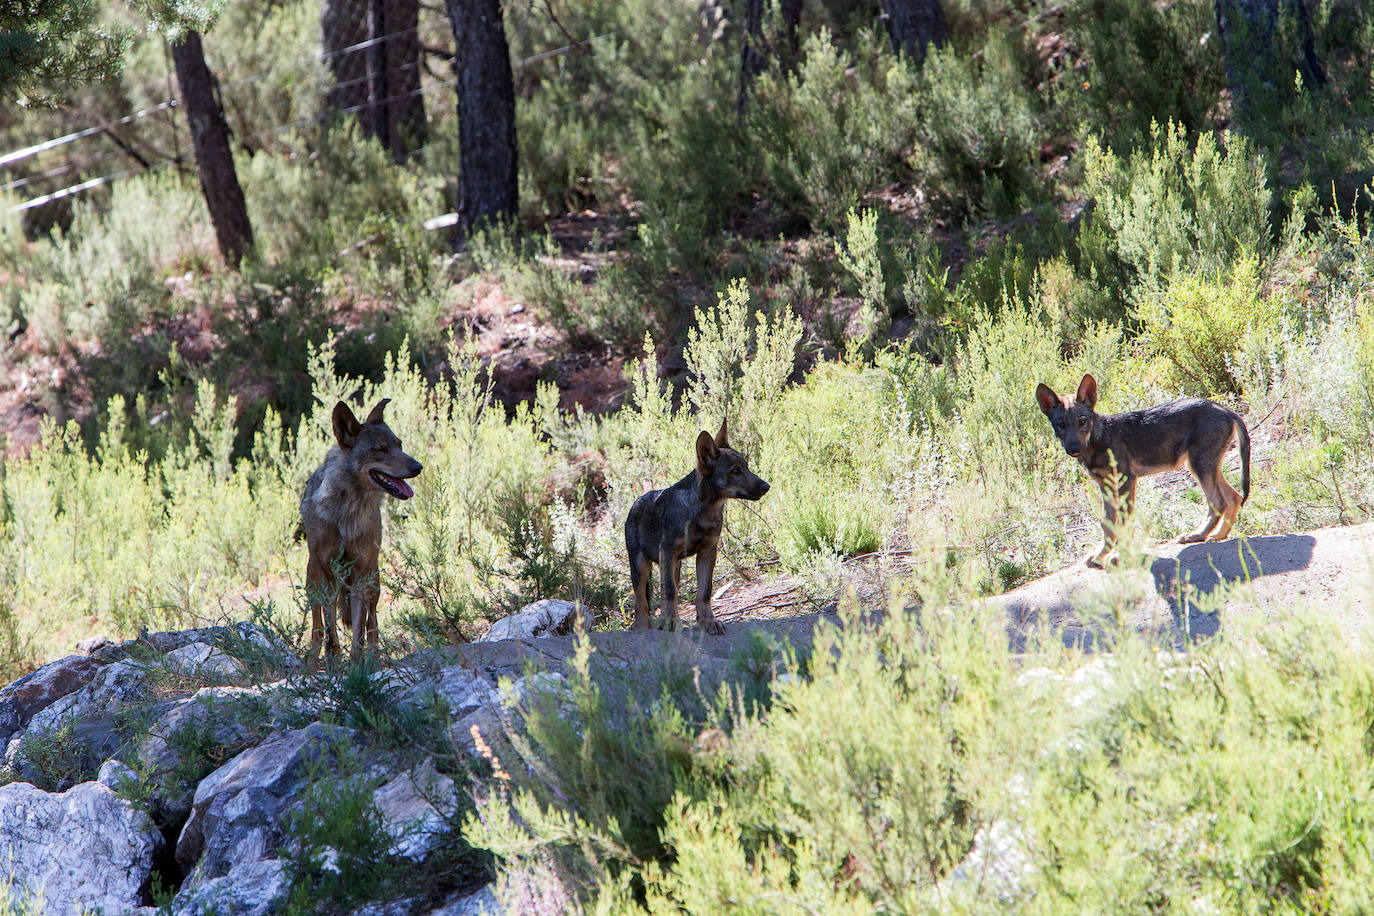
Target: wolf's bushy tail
{"points": [[1243, 443]]}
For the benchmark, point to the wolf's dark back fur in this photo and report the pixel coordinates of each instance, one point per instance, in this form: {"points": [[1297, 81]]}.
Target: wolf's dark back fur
{"points": [[1118, 449]]}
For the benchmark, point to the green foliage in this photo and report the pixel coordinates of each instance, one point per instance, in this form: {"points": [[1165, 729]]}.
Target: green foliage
{"points": [[1000, 434], [48, 46], [1173, 209], [1147, 63], [590, 776], [740, 359], [860, 256], [832, 128], [978, 131], [53, 760], [339, 853], [1212, 335]]}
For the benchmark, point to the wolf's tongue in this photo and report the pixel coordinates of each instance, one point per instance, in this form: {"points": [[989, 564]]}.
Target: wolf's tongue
{"points": [[403, 489]]}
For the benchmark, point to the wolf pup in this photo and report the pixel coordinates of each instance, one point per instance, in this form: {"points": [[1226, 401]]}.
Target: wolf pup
{"points": [[341, 515], [684, 520], [1144, 442]]}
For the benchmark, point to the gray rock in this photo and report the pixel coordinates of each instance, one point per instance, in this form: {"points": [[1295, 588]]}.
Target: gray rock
{"points": [[998, 867], [549, 617], [482, 903], [86, 721], [250, 889], [460, 689], [415, 808], [228, 718], [82, 850], [37, 690], [115, 774], [403, 907], [113, 687], [236, 811], [202, 660]]}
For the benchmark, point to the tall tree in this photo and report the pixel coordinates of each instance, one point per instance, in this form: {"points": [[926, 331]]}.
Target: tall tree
{"points": [[219, 181], [183, 24], [48, 45], [488, 187], [915, 24], [751, 55], [1264, 42], [375, 60], [343, 36]]}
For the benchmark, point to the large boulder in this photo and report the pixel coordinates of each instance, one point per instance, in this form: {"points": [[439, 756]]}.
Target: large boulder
{"points": [[237, 811], [84, 850], [203, 661], [39, 689], [80, 729]]}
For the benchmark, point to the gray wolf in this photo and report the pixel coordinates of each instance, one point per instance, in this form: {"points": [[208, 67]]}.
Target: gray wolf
{"points": [[1118, 449], [341, 515], [685, 520]]}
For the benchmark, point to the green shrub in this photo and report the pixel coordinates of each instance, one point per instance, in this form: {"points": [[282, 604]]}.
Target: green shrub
{"points": [[1212, 336], [832, 129], [1173, 208], [1147, 63], [339, 853], [588, 779], [978, 132], [1000, 436], [860, 256], [816, 809]]}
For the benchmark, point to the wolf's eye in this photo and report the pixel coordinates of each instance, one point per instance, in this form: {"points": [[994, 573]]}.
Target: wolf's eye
{"points": [[734, 471]]}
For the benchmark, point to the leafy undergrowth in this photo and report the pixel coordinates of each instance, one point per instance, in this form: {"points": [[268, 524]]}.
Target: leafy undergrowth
{"points": [[1230, 777]]}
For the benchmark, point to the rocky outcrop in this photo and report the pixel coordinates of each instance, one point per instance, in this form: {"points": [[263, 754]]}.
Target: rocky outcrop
{"points": [[83, 850], [214, 740], [415, 810], [236, 813]]}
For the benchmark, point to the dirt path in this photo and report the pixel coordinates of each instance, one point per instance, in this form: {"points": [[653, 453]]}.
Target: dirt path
{"points": [[1181, 592]]}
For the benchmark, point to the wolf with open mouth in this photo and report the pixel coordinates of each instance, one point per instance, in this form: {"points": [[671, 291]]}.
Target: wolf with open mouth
{"points": [[341, 515]]}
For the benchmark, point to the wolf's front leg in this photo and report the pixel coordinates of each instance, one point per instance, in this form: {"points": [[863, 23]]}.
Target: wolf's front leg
{"points": [[706, 569]]}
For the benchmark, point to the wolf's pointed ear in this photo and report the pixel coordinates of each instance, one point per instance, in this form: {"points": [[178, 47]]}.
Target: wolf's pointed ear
{"points": [[1087, 392], [346, 426], [1046, 398], [376, 415], [707, 453], [722, 440]]}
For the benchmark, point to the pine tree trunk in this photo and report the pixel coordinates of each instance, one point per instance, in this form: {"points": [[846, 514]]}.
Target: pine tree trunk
{"points": [[751, 56], [1264, 42], [341, 28], [405, 109], [487, 184], [379, 82], [915, 24], [791, 21], [214, 160]]}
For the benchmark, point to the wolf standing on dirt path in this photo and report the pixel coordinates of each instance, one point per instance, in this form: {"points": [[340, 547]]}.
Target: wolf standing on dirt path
{"points": [[1123, 447], [341, 512], [685, 520]]}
